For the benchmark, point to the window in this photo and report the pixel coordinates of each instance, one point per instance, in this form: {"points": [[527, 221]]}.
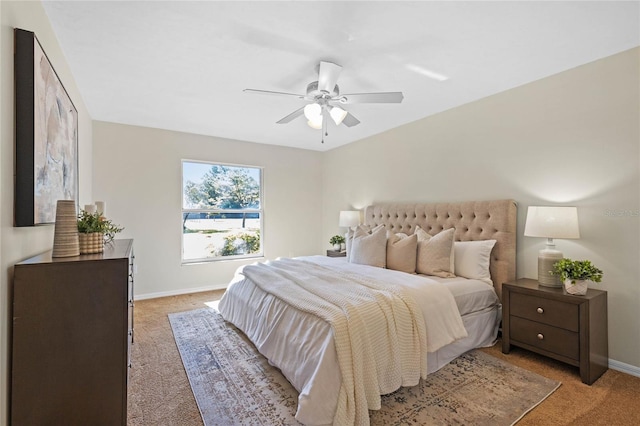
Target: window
{"points": [[221, 211]]}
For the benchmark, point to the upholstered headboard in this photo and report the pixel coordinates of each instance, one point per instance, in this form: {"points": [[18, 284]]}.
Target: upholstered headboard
{"points": [[473, 220]]}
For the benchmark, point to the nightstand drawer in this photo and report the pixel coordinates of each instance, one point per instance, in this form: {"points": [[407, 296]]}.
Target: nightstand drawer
{"points": [[551, 312], [552, 339]]}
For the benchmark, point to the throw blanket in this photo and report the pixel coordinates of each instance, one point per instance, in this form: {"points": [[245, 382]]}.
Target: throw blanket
{"points": [[379, 330]]}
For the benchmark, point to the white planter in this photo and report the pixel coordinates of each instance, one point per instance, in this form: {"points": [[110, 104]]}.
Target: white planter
{"points": [[336, 247], [579, 288]]}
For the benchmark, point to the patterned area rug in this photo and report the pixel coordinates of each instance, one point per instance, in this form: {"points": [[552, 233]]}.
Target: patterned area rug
{"points": [[234, 384]]}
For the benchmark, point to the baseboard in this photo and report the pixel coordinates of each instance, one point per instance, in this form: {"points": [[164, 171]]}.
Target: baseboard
{"points": [[625, 368], [179, 292]]}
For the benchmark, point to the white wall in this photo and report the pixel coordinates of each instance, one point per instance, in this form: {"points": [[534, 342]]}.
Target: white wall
{"points": [[570, 139], [19, 243], [137, 171]]}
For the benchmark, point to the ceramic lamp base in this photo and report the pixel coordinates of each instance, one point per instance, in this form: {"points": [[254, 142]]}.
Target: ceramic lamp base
{"points": [[546, 259]]}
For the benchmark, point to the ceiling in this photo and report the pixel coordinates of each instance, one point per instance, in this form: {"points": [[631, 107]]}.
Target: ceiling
{"points": [[183, 65]]}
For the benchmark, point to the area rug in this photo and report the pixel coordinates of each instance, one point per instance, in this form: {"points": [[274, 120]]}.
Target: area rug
{"points": [[234, 384]]}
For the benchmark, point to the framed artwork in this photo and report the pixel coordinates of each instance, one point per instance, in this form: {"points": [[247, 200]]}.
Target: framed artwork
{"points": [[46, 166]]}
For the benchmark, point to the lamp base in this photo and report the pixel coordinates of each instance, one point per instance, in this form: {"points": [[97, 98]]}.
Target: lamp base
{"points": [[546, 259]]}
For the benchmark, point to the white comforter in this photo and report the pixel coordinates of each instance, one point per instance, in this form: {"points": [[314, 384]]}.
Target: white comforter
{"points": [[294, 312]]}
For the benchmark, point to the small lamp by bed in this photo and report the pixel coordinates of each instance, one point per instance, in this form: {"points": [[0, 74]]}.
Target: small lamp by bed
{"points": [[551, 222], [349, 218]]}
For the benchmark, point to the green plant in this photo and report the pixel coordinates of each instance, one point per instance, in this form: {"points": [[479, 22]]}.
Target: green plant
{"points": [[573, 270], [336, 239], [89, 223], [244, 243]]}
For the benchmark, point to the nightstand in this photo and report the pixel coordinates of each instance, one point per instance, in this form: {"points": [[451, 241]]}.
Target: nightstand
{"points": [[546, 320], [336, 253]]}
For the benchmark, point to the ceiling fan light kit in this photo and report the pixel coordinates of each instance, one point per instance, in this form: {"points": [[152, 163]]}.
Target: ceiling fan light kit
{"points": [[325, 98], [337, 114], [313, 111]]}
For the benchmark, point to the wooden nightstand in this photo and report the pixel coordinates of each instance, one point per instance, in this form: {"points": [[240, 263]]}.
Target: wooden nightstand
{"points": [[336, 253], [571, 329]]}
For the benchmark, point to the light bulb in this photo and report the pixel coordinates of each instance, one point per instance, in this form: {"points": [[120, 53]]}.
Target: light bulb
{"points": [[313, 111], [315, 122], [337, 114]]}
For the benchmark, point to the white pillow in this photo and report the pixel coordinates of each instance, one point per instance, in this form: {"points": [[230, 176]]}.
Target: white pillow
{"points": [[472, 259], [349, 236], [435, 254], [369, 248]]}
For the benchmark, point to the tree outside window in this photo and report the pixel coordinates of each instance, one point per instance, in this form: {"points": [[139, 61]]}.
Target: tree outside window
{"points": [[221, 211]]}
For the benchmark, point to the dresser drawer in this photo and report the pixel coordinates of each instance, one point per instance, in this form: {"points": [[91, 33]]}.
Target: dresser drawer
{"points": [[551, 312], [546, 337]]}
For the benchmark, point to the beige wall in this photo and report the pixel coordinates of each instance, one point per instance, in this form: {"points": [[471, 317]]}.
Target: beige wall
{"points": [[19, 243], [570, 139], [137, 171]]}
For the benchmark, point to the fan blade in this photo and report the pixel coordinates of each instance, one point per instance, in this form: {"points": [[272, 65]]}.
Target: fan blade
{"points": [[267, 92], [372, 98], [350, 120], [328, 76], [295, 114]]}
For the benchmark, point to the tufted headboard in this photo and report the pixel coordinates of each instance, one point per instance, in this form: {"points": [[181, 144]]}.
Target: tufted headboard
{"points": [[473, 220]]}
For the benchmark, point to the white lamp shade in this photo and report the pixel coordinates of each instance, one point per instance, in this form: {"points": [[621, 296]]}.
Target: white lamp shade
{"points": [[337, 114], [313, 111], [315, 123], [349, 218], [552, 222]]}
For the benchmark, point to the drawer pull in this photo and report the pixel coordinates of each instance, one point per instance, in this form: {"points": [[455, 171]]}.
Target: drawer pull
{"points": [[540, 336], [540, 311]]}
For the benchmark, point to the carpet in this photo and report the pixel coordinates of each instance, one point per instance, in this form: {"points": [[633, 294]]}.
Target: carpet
{"points": [[234, 384]]}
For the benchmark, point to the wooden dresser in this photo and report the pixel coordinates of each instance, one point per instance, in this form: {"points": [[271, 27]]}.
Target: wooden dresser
{"points": [[72, 331], [571, 329]]}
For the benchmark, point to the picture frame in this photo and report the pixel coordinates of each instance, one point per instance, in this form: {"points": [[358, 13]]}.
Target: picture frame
{"points": [[46, 139]]}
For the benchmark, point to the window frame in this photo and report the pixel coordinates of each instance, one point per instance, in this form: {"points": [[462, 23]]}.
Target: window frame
{"points": [[184, 211]]}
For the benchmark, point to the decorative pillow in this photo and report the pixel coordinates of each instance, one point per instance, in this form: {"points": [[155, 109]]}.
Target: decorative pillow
{"points": [[401, 252], [349, 236], [369, 248], [435, 254], [472, 259]]}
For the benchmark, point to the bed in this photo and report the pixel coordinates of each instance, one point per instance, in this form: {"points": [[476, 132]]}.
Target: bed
{"points": [[413, 324]]}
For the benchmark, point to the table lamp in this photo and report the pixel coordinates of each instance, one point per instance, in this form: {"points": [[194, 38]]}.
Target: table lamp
{"points": [[349, 218], [551, 222]]}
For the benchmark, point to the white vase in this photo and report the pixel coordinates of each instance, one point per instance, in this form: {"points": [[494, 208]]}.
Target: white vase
{"points": [[336, 247], [579, 288]]}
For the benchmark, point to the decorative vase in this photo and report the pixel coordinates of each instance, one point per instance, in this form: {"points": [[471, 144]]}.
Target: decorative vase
{"points": [[579, 288], [65, 235], [336, 247], [91, 243]]}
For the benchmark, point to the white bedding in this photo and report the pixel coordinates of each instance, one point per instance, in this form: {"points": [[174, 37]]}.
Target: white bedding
{"points": [[470, 295], [303, 345]]}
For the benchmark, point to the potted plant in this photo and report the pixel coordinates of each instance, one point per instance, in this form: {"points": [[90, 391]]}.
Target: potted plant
{"points": [[337, 241], [576, 274], [94, 230]]}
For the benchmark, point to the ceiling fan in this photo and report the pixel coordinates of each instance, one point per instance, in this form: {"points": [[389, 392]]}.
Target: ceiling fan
{"points": [[326, 100]]}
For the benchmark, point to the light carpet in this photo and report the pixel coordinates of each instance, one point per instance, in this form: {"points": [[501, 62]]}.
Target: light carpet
{"points": [[234, 384]]}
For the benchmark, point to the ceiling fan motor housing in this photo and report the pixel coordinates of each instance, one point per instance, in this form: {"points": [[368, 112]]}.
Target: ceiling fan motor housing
{"points": [[312, 90]]}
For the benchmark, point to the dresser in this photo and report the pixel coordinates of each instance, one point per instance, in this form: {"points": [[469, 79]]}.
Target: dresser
{"points": [[71, 338], [568, 328]]}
